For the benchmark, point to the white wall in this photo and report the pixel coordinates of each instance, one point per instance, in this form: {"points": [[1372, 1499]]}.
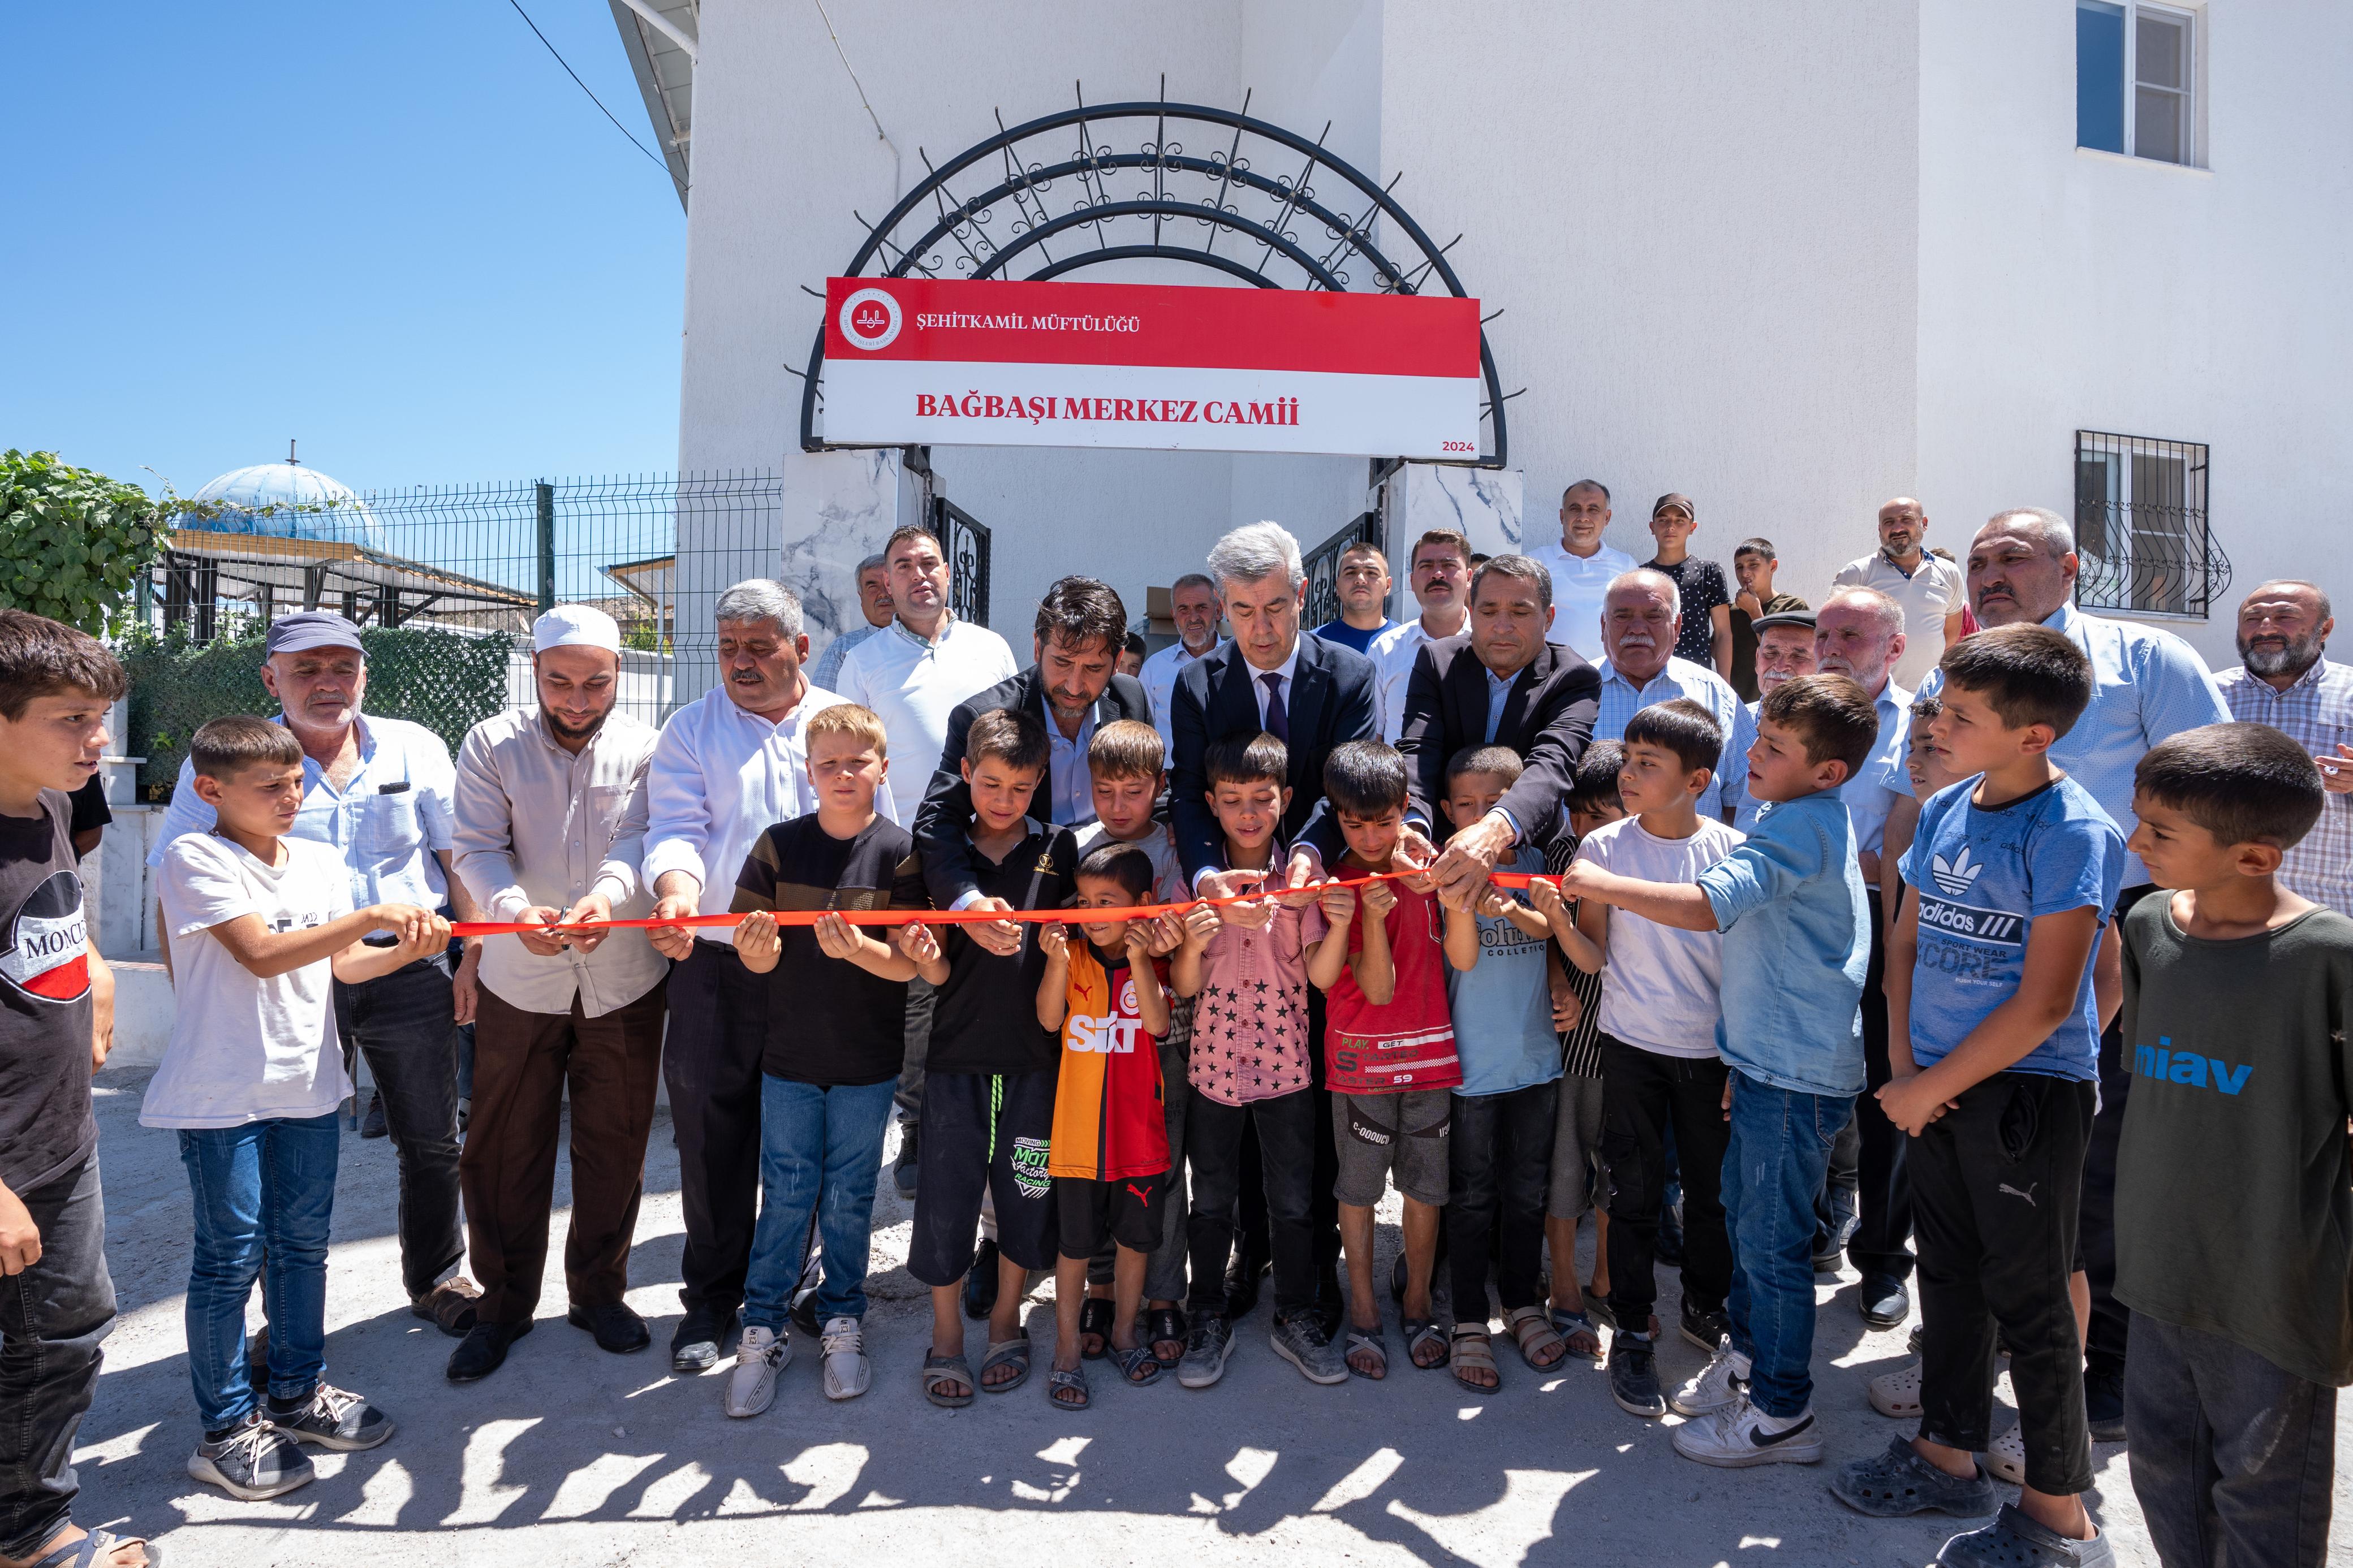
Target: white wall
{"points": [[2064, 289]]}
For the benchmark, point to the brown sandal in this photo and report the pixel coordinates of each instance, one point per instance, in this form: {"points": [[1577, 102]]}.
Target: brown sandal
{"points": [[1470, 1351], [1533, 1331], [451, 1306]]}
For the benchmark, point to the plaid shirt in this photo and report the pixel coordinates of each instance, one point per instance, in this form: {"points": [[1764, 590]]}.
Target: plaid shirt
{"points": [[2316, 713]]}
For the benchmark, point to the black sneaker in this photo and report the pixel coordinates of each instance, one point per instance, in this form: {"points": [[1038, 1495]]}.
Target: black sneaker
{"points": [[2103, 1405], [1634, 1376], [902, 1173], [1299, 1340], [254, 1462], [1206, 1349], [1705, 1328], [373, 1125], [333, 1418], [980, 1282], [700, 1334]]}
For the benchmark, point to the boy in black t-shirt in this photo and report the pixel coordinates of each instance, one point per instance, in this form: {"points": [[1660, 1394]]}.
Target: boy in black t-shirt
{"points": [[833, 1052], [56, 1020], [989, 1089]]}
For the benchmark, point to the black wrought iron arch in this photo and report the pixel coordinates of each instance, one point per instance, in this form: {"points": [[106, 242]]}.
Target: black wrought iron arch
{"points": [[933, 232]]}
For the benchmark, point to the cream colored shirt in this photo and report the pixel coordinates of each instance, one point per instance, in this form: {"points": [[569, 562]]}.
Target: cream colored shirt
{"points": [[1935, 590]]}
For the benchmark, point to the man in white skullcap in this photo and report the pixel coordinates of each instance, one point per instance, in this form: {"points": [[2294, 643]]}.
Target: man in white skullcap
{"points": [[551, 823]]}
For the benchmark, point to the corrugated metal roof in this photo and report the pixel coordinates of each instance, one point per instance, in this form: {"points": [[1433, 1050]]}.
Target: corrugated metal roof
{"points": [[665, 73]]}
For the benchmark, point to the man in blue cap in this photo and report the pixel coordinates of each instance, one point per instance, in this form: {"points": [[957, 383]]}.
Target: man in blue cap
{"points": [[381, 791]]}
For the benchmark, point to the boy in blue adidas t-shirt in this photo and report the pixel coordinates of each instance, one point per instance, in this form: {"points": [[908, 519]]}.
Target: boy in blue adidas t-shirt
{"points": [[1993, 1035]]}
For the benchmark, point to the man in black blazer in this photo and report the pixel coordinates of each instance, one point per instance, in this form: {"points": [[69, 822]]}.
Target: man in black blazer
{"points": [[1499, 683], [1310, 694]]}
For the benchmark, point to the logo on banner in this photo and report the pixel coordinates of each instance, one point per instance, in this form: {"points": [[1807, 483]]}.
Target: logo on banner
{"points": [[870, 320], [47, 955]]}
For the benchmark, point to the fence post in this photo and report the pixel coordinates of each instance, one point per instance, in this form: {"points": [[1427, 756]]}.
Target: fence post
{"points": [[544, 499]]}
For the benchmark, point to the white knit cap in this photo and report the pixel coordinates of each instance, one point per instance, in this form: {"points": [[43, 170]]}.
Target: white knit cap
{"points": [[576, 625]]}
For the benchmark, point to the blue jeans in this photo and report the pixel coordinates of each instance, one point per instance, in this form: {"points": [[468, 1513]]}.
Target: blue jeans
{"points": [[264, 1195], [1779, 1150], [820, 1149]]}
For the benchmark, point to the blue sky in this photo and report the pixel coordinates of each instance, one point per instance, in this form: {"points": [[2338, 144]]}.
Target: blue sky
{"points": [[398, 232]]}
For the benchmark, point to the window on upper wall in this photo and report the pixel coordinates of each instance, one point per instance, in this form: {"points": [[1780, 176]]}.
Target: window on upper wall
{"points": [[2135, 65], [2141, 532]]}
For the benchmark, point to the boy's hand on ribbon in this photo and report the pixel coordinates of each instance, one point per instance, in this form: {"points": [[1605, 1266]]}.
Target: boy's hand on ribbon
{"points": [[756, 936], [1002, 938], [1543, 896], [835, 938], [1378, 899], [1168, 934], [1139, 944], [1339, 904], [918, 943], [1494, 903], [1252, 914], [1054, 939], [1201, 923]]}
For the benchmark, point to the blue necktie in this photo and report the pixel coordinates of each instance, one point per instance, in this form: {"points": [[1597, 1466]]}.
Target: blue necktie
{"points": [[1277, 718]]}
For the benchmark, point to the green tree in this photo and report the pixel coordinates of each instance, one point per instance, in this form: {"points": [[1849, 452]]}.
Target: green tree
{"points": [[73, 541]]}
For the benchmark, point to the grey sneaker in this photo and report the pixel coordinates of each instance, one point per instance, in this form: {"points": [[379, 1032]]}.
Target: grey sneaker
{"points": [[334, 1419], [254, 1462], [1206, 1349], [1299, 1340]]}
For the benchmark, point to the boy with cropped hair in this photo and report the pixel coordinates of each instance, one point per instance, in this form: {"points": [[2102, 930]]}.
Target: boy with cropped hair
{"points": [[1795, 920], [2235, 1007], [261, 925], [1993, 1035], [1660, 1014], [1389, 1059], [988, 1093]]}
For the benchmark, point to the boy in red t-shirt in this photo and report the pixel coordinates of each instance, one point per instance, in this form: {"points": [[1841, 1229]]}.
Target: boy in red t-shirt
{"points": [[1109, 1155], [1389, 1044]]}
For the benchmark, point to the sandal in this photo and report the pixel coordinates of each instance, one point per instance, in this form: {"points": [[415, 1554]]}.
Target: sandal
{"points": [[1532, 1330], [1371, 1339], [1899, 1482], [1006, 1353], [1596, 1307], [1469, 1350], [1571, 1327], [1420, 1334], [1139, 1359], [450, 1306], [941, 1372], [1075, 1381], [1095, 1319], [98, 1543], [1165, 1326]]}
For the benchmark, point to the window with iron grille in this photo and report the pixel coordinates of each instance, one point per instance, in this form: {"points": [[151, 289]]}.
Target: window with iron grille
{"points": [[2141, 530]]}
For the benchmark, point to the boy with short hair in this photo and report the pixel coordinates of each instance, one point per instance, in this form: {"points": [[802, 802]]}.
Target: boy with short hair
{"points": [[1500, 986], [1753, 568], [1102, 995], [253, 1079], [988, 1093], [2234, 1005], [1795, 920], [1245, 965], [57, 1024], [1577, 1014], [835, 1044], [1127, 764], [1993, 1035], [1660, 1067], [1388, 1048]]}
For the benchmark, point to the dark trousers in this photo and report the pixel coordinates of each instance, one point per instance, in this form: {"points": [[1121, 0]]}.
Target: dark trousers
{"points": [[405, 1023], [2232, 1459], [1995, 1186], [718, 1030], [52, 1318], [922, 1002], [523, 1062], [2103, 1346], [1501, 1169], [1880, 1248], [1642, 1095], [1286, 1139]]}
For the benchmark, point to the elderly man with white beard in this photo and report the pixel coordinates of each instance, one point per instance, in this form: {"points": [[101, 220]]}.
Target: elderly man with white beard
{"points": [[1641, 615]]}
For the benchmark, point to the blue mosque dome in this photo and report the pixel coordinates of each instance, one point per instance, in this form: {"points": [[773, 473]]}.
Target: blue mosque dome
{"points": [[309, 505]]}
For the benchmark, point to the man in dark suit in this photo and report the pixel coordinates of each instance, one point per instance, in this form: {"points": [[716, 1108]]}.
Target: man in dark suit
{"points": [[1499, 683], [1309, 694]]}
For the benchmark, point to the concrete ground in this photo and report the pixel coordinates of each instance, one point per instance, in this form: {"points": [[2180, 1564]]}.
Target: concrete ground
{"points": [[571, 1456]]}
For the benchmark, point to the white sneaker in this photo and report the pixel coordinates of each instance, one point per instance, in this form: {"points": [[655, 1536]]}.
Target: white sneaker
{"points": [[1719, 1384], [1898, 1393], [1740, 1434], [760, 1354], [846, 1373], [2007, 1457]]}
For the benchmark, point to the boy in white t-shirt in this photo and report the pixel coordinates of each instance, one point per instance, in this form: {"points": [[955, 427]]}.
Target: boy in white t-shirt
{"points": [[260, 923], [1660, 1068]]}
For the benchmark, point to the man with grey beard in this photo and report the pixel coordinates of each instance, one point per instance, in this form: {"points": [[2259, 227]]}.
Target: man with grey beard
{"points": [[2284, 681]]}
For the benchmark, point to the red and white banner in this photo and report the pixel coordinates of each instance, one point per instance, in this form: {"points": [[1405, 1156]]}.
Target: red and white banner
{"points": [[922, 361]]}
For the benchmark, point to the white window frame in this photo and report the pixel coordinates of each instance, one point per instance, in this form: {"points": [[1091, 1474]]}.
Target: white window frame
{"points": [[2192, 151]]}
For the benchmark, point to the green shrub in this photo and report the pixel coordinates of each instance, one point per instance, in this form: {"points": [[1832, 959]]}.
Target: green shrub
{"points": [[72, 541]]}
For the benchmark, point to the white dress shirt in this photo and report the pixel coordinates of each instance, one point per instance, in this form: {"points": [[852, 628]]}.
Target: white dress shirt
{"points": [[1288, 669], [1927, 593], [1393, 653], [912, 686], [720, 777], [540, 827], [1579, 585], [1159, 676]]}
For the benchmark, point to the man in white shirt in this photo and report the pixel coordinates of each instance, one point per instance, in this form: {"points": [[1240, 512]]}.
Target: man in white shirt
{"points": [[1928, 588], [874, 605], [1439, 576], [729, 765], [1195, 606], [551, 824], [1582, 568], [1641, 617], [914, 671]]}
